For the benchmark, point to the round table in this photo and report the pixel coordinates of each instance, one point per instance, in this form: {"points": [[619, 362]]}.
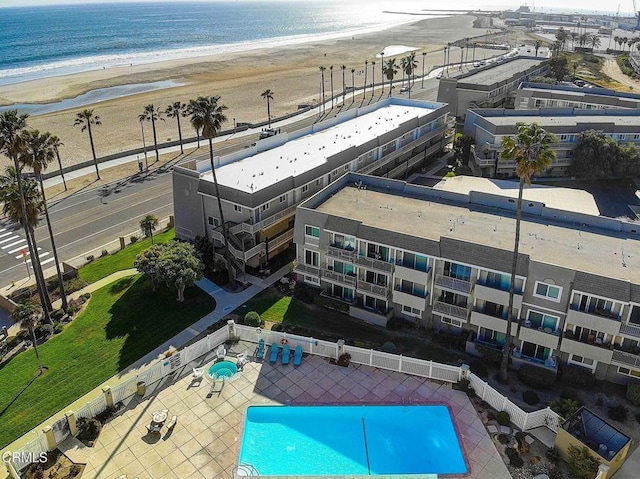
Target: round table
{"points": [[159, 416]]}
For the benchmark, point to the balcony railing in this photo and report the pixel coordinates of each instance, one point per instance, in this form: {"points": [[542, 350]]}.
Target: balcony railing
{"points": [[408, 265], [450, 310], [339, 277], [341, 253], [630, 330], [603, 313], [417, 294], [260, 225], [498, 286], [372, 263], [307, 269], [626, 359], [453, 284], [375, 289]]}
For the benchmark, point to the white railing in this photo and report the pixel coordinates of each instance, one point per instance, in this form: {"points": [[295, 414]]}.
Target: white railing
{"points": [[35, 447], [124, 390], [92, 408]]}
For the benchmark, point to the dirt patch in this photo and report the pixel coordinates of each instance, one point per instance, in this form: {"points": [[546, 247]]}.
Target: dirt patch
{"points": [[58, 466]]}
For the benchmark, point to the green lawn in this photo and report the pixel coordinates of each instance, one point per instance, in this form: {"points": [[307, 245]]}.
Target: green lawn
{"points": [[332, 325], [122, 322], [123, 259]]}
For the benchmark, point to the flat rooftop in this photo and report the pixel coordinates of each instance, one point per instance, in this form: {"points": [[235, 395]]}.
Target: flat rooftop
{"points": [[567, 199], [556, 120], [501, 72], [305, 153], [591, 250]]}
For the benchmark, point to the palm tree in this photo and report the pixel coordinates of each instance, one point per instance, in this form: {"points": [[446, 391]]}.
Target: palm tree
{"points": [[85, 119], [353, 85], [176, 110], [410, 67], [373, 78], [208, 115], [56, 144], [331, 76], [364, 94], [152, 114], [531, 150], [344, 85], [537, 46], [594, 40], [268, 95], [322, 69], [403, 68], [26, 315], [424, 55], [390, 70], [37, 154], [473, 59], [148, 225], [382, 68], [12, 193]]}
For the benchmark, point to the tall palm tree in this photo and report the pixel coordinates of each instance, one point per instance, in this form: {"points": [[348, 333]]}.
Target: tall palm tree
{"points": [[373, 78], [268, 95], [531, 150], [177, 110], [148, 225], [382, 68], [344, 85], [26, 315], [537, 46], [37, 154], [331, 76], [353, 85], [56, 144], [85, 119], [424, 55], [410, 67], [152, 114], [322, 69], [594, 41], [473, 58], [390, 70], [208, 115], [366, 64], [13, 194], [403, 68]]}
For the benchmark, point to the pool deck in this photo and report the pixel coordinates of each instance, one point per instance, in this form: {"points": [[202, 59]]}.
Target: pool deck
{"points": [[205, 442]]}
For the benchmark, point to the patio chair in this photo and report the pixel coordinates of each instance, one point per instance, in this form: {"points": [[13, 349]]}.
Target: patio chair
{"points": [[241, 360], [286, 354], [172, 423], [273, 355], [154, 428], [221, 352], [260, 350], [297, 356], [198, 373]]}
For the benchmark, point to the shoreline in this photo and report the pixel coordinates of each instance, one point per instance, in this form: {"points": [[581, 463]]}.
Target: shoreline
{"points": [[291, 72]]}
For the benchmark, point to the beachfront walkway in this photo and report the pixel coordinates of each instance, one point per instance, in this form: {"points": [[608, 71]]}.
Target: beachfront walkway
{"points": [[205, 442]]}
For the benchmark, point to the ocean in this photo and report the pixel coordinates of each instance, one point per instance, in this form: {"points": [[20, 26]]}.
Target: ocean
{"points": [[39, 42]]}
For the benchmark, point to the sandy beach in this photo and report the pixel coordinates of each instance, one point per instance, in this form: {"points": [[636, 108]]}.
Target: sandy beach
{"points": [[291, 72]]}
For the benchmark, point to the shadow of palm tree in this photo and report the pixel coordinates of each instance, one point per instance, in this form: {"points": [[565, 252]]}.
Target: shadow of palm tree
{"points": [[4, 410]]}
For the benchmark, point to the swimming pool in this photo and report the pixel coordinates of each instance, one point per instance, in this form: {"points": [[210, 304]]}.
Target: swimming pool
{"points": [[350, 440]]}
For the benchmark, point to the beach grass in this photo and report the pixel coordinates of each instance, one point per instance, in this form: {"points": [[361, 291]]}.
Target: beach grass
{"points": [[121, 323], [123, 259]]}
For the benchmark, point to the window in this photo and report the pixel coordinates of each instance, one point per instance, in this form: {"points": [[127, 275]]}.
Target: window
{"points": [[305, 188], [312, 231], [318, 182], [265, 207], [581, 359], [311, 279], [548, 291], [453, 322], [564, 137], [237, 208], [454, 270], [629, 372], [283, 198], [409, 311], [543, 322], [213, 221], [311, 258], [346, 167], [334, 172]]}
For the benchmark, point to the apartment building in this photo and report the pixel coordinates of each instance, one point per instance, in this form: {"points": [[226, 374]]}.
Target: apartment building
{"points": [[542, 95], [261, 186], [491, 85], [443, 259], [487, 127]]}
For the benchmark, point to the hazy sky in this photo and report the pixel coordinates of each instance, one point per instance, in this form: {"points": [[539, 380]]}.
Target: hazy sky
{"points": [[626, 6]]}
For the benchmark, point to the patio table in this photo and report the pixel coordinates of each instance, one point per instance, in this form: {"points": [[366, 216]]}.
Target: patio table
{"points": [[160, 416]]}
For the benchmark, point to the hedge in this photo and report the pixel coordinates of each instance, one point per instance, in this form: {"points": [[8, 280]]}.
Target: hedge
{"points": [[537, 378]]}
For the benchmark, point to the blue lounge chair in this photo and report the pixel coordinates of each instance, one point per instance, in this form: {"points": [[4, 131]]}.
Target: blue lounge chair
{"points": [[260, 350], [286, 354], [297, 356], [273, 356]]}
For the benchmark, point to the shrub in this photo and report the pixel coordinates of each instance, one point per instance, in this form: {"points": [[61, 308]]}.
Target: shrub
{"points": [[581, 464], [344, 359], [252, 318], [88, 429], [514, 457], [44, 330], [104, 253], [57, 314], [619, 412], [553, 455], [479, 369], [57, 328], [633, 392], [23, 334], [564, 407], [490, 355], [232, 340], [569, 393], [503, 418], [389, 347], [535, 377], [86, 296], [12, 341], [530, 397], [90, 258], [133, 239], [329, 303], [73, 285], [105, 415], [579, 376], [504, 439], [305, 293]]}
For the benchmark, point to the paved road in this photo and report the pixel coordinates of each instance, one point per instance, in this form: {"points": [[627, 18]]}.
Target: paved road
{"points": [[87, 220]]}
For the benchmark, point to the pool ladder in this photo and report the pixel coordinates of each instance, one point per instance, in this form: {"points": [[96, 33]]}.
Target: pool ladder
{"points": [[245, 470]]}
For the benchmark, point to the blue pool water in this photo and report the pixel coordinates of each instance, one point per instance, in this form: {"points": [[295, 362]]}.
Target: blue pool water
{"points": [[350, 440], [223, 369]]}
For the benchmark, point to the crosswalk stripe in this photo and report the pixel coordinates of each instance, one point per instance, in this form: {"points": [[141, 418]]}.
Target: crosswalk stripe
{"points": [[40, 255], [22, 240], [46, 261], [6, 234], [9, 239], [19, 248]]}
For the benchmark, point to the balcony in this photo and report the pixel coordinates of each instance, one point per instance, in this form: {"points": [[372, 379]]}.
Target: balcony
{"points": [[410, 299], [623, 358], [374, 264], [339, 278], [548, 339], [602, 353], [488, 321], [410, 274], [372, 289], [632, 330], [307, 269], [453, 284], [340, 253], [496, 295], [599, 321], [450, 310]]}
